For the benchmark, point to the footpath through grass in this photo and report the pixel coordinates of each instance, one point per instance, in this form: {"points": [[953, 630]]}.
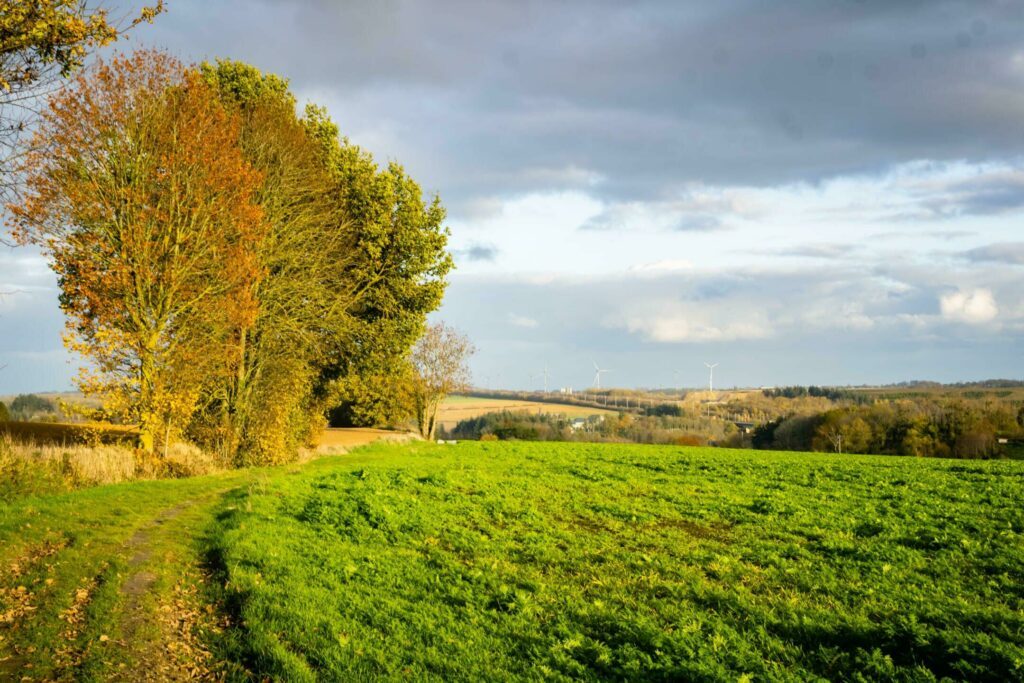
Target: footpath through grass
{"points": [[110, 583], [504, 561], [498, 561]]}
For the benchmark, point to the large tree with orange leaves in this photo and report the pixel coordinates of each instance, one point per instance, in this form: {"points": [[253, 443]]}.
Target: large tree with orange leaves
{"points": [[140, 195]]}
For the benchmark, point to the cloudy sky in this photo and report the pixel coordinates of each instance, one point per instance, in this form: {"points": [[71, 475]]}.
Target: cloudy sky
{"points": [[815, 191]]}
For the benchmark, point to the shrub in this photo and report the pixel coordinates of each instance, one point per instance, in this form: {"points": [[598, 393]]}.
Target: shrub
{"points": [[187, 460]]}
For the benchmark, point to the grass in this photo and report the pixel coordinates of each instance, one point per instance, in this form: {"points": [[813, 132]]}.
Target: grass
{"points": [[522, 561], [566, 561]]}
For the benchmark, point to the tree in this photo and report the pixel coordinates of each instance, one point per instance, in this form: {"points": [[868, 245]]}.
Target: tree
{"points": [[835, 437], [41, 42], [27, 406], [439, 363], [305, 289], [5, 414], [145, 206], [401, 263]]}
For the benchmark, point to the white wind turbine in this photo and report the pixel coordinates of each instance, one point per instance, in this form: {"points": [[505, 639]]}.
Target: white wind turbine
{"points": [[711, 376], [545, 376], [597, 375]]}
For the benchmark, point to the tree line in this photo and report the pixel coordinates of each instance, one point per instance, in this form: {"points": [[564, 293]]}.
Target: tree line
{"points": [[943, 427], [231, 269]]}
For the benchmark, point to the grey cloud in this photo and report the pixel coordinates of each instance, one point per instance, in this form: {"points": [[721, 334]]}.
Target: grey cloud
{"points": [[821, 251], [988, 195], [1004, 252], [935, 234], [477, 252], [646, 95], [698, 223]]}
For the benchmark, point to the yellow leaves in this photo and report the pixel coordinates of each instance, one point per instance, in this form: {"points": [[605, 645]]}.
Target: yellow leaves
{"points": [[36, 34]]}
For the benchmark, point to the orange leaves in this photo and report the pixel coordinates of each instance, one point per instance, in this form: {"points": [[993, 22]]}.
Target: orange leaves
{"points": [[146, 207]]}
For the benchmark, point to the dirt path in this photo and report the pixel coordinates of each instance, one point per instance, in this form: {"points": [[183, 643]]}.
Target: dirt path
{"points": [[158, 626], [115, 585]]}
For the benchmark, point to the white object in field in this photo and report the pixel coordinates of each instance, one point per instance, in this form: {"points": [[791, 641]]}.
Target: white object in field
{"points": [[711, 376]]}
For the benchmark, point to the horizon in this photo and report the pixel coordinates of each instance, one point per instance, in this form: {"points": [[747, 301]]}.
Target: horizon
{"points": [[823, 194], [473, 388]]}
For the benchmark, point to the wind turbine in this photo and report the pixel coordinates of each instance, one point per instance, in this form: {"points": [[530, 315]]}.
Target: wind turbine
{"points": [[711, 376], [597, 375], [545, 376]]}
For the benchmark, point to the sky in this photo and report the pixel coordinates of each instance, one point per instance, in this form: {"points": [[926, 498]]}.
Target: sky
{"points": [[815, 191]]}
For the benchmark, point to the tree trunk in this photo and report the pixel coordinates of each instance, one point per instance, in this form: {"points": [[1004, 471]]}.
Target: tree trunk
{"points": [[149, 421], [421, 417]]}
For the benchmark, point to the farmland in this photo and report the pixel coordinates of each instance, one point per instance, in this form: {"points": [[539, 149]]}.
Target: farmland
{"points": [[457, 408], [498, 561]]}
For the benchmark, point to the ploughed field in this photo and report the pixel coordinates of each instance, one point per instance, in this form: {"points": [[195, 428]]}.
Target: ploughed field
{"points": [[534, 561]]}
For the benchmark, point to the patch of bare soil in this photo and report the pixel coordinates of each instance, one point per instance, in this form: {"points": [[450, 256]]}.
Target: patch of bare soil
{"points": [[339, 440]]}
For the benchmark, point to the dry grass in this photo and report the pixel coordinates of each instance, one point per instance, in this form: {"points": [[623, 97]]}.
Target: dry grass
{"points": [[62, 433], [35, 462], [28, 468], [31, 468]]}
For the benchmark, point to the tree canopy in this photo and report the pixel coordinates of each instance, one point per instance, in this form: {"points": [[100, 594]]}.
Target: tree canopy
{"points": [[439, 361], [233, 271], [42, 41]]}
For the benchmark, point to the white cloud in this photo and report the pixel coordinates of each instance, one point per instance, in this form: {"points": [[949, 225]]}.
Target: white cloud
{"points": [[694, 208], [522, 321], [973, 307], [660, 267], [675, 329], [677, 322]]}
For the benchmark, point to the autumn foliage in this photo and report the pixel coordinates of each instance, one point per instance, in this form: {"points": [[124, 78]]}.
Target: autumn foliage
{"points": [[145, 205], [225, 266], [42, 42]]}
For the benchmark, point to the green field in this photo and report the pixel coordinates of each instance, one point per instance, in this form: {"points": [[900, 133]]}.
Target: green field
{"points": [[530, 561]]}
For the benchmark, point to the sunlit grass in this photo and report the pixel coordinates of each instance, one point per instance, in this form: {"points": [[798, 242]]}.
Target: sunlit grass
{"points": [[496, 561]]}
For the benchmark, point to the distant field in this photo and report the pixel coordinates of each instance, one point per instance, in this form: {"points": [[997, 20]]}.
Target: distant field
{"points": [[72, 397], [351, 437], [458, 408]]}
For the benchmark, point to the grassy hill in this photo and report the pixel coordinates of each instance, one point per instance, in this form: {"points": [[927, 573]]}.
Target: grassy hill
{"points": [[516, 561]]}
